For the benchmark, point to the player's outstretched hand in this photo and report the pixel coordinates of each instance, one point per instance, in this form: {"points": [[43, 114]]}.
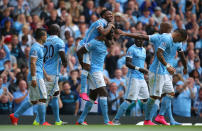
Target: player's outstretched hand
{"points": [[120, 32], [33, 83], [171, 70], [144, 71], [48, 78]]}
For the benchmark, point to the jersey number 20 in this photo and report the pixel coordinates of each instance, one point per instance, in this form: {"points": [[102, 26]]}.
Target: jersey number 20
{"points": [[49, 52]]}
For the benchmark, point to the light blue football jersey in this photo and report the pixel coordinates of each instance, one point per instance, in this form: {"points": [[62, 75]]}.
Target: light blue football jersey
{"points": [[52, 59], [37, 52], [165, 42], [138, 56], [93, 32], [98, 52]]}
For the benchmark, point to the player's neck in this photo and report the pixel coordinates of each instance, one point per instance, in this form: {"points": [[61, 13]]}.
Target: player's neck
{"points": [[40, 42]]}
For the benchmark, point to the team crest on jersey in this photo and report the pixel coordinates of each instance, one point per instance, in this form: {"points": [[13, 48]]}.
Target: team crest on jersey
{"points": [[164, 44], [34, 53]]}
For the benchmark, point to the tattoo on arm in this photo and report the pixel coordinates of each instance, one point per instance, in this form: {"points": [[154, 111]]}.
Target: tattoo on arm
{"points": [[33, 66], [160, 56]]}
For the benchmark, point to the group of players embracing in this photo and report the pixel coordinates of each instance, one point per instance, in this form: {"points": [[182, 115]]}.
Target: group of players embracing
{"points": [[91, 52]]}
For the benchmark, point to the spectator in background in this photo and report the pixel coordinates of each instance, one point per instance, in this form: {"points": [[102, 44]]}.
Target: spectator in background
{"points": [[21, 96], [151, 28], [53, 19], [197, 66], [75, 11], [6, 17], [89, 10], [4, 54], [69, 99], [74, 81], [26, 32], [198, 44], [7, 29], [120, 82], [158, 15], [190, 62], [6, 99], [148, 4], [16, 51], [183, 96], [115, 98], [22, 7], [198, 104], [145, 17]]}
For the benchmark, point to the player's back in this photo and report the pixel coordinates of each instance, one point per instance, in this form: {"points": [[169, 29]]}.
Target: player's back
{"points": [[98, 52], [36, 51], [93, 32], [51, 54], [138, 56]]}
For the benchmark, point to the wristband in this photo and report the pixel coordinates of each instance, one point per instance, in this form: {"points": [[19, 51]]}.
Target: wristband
{"points": [[168, 65], [137, 68], [33, 77]]}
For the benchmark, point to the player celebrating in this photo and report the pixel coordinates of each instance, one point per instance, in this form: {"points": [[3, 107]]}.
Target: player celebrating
{"points": [[136, 85], [95, 30], [155, 40], [37, 89], [98, 50], [160, 81], [53, 51]]}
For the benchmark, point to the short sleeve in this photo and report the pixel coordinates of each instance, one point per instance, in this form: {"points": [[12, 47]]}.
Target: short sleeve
{"points": [[33, 53], [153, 38], [164, 43], [89, 46], [61, 46], [99, 24], [179, 48], [130, 52]]}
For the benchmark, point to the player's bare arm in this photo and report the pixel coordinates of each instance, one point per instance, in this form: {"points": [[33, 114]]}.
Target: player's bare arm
{"points": [[134, 35], [160, 57], [184, 62], [47, 77], [131, 66], [63, 58], [80, 53], [105, 31], [33, 70]]}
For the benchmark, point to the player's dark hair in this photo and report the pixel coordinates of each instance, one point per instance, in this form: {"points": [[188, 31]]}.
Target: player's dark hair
{"points": [[54, 29], [103, 12], [182, 32], [39, 33]]}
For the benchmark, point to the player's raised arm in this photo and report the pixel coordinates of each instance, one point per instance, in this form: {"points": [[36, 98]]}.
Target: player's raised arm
{"points": [[183, 59], [134, 35], [105, 31]]}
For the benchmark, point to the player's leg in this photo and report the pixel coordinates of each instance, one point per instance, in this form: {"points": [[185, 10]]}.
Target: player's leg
{"points": [[155, 93], [143, 93], [34, 95], [102, 92], [166, 101], [93, 96], [131, 94], [42, 102], [84, 74], [170, 116]]}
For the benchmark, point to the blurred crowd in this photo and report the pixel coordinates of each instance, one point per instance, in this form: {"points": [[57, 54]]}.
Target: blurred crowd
{"points": [[20, 18]]}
